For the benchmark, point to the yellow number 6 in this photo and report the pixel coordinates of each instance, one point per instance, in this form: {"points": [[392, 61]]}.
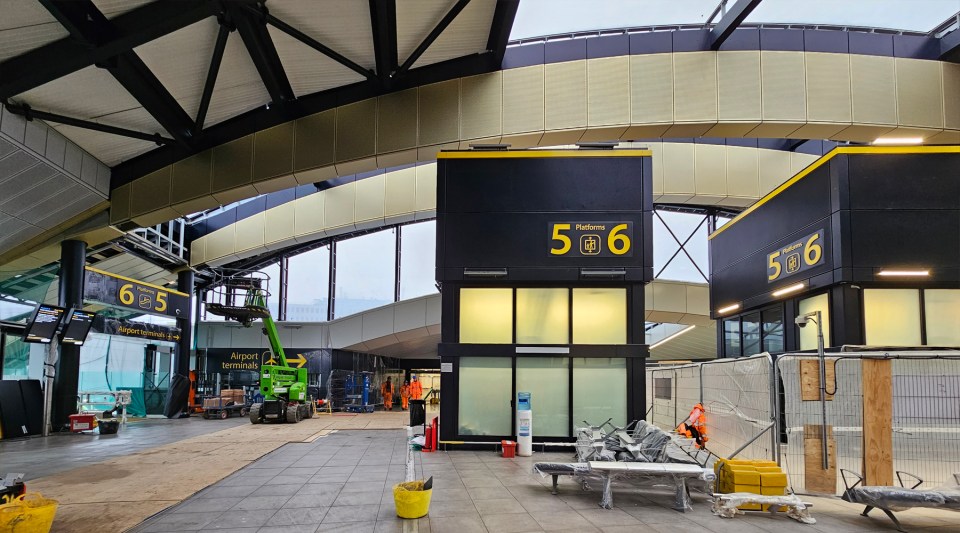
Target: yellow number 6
{"points": [[812, 252], [616, 237], [126, 294]]}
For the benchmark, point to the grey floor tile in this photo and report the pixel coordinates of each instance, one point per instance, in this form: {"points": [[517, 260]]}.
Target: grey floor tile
{"points": [[299, 516], [457, 524], [453, 508], [308, 471], [489, 493], [364, 486], [500, 506], [181, 521], [352, 513], [278, 490], [252, 503], [205, 505], [282, 479], [356, 527], [544, 503], [510, 523], [230, 491], [608, 517], [310, 500], [358, 498], [298, 528], [552, 521], [232, 520], [449, 494], [321, 488], [475, 481]]}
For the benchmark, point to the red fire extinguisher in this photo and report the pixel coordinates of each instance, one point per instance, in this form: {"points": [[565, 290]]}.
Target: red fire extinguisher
{"points": [[428, 438]]}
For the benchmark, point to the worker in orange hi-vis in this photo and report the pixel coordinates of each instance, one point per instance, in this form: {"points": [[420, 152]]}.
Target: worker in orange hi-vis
{"points": [[416, 389], [386, 390], [404, 395]]}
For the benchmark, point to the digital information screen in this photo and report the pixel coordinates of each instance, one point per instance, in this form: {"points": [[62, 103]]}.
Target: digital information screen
{"points": [[43, 325], [78, 326]]}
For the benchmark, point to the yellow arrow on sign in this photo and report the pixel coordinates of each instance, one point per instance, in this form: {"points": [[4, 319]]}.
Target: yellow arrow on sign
{"points": [[297, 361]]}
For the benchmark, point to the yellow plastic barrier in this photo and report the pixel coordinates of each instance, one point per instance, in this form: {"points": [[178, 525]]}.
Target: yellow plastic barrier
{"points": [[411, 500], [31, 513]]}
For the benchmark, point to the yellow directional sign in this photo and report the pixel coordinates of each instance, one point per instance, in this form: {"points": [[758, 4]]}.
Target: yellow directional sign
{"points": [[298, 361]]}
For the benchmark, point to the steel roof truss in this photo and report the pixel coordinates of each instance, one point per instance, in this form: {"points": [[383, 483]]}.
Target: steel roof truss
{"points": [[730, 20], [252, 26]]}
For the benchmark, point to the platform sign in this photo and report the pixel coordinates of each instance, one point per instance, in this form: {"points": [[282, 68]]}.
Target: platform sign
{"points": [[798, 256], [591, 239], [120, 291]]}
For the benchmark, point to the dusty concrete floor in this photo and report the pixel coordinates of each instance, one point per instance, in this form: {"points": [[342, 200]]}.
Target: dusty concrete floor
{"points": [[100, 482]]}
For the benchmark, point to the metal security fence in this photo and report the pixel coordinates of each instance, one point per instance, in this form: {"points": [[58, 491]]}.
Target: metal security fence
{"points": [[760, 409]]}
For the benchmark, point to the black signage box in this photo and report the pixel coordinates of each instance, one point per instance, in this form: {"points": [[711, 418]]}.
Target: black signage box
{"points": [[877, 208]]}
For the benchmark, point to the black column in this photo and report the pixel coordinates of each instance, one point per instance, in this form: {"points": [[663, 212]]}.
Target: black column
{"points": [[73, 255], [179, 391], [182, 364]]}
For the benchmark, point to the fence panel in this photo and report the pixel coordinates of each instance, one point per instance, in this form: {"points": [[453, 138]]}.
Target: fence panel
{"points": [[736, 395]]}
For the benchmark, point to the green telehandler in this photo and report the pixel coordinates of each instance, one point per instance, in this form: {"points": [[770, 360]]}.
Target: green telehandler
{"points": [[284, 388]]}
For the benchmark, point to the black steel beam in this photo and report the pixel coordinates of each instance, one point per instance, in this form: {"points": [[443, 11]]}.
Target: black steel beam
{"points": [[383, 20], [90, 28], [212, 72], [318, 46], [30, 114], [950, 47], [432, 36], [252, 26], [730, 20], [500, 28], [60, 58]]}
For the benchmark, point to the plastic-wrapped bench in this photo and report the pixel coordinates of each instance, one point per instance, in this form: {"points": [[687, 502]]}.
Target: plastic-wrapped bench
{"points": [[891, 498]]}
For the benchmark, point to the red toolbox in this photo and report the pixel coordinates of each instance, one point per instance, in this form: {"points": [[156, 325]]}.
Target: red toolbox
{"points": [[82, 422]]}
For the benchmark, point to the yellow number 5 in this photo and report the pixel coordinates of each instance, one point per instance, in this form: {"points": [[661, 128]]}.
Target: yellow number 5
{"points": [[564, 240], [161, 302], [775, 265]]}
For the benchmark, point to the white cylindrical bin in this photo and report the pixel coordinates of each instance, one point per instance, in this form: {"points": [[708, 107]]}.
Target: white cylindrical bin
{"points": [[524, 425]]}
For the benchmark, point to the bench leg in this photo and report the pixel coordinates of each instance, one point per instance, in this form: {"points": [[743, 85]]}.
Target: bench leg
{"points": [[866, 510], [607, 501], [682, 500], [554, 491], [893, 518]]}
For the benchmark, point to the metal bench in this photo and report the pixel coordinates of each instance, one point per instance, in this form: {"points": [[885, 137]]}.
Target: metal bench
{"points": [[892, 498]]}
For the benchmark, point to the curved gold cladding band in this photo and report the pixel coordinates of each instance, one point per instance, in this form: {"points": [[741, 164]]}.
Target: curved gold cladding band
{"points": [[759, 94], [684, 173]]}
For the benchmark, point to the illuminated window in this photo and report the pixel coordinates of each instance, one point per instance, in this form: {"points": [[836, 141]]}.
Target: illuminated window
{"points": [[543, 316], [891, 317], [599, 316], [942, 316], [486, 316], [808, 334]]}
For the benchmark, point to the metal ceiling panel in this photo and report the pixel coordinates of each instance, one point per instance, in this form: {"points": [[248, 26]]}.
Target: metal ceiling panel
{"points": [[699, 343], [308, 70], [415, 19], [239, 87], [181, 59], [342, 26], [134, 267], [26, 26], [30, 181], [113, 8], [467, 34]]}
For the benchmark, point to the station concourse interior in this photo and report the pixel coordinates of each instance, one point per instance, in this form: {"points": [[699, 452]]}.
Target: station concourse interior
{"points": [[246, 246]]}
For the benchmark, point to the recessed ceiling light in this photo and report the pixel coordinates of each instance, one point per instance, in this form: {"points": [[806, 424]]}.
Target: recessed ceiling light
{"points": [[898, 140], [788, 290], [904, 273], [727, 309]]}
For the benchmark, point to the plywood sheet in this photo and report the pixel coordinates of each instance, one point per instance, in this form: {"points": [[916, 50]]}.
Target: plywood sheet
{"points": [[877, 422], [810, 379], [816, 479]]}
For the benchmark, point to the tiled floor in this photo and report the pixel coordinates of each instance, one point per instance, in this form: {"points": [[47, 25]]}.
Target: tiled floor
{"points": [[39, 457], [342, 482]]}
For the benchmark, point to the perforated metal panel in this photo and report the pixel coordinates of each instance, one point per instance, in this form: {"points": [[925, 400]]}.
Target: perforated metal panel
{"points": [[873, 89], [439, 111], [397, 121], [565, 95], [738, 84], [920, 93], [784, 86], [356, 130], [481, 106], [828, 88], [695, 87], [523, 100], [150, 192], [608, 91]]}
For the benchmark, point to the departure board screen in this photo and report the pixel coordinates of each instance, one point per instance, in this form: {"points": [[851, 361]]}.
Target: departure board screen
{"points": [[43, 325], [77, 328]]}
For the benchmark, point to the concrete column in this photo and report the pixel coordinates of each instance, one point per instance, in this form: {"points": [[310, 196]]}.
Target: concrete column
{"points": [[73, 255]]}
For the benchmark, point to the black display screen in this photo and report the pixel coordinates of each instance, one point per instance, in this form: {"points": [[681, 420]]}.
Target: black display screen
{"points": [[78, 325], [43, 325]]}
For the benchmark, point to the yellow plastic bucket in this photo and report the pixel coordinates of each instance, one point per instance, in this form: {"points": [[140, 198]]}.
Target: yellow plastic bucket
{"points": [[411, 500], [31, 513]]}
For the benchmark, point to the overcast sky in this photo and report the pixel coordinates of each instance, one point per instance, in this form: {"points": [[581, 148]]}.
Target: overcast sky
{"points": [[547, 17]]}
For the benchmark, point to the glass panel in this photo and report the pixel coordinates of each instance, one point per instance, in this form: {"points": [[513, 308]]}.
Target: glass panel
{"points": [[366, 270], [16, 357], [808, 334], [599, 390], [943, 316], [599, 316], [14, 311], [418, 250], [891, 317], [543, 316], [731, 338], [751, 334], [547, 379], [486, 316], [213, 295], [681, 269], [911, 15], [773, 330], [568, 16], [486, 384], [664, 245], [308, 284]]}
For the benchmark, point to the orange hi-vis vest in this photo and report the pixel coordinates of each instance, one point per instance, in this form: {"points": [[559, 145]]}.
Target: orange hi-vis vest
{"points": [[695, 426]]}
